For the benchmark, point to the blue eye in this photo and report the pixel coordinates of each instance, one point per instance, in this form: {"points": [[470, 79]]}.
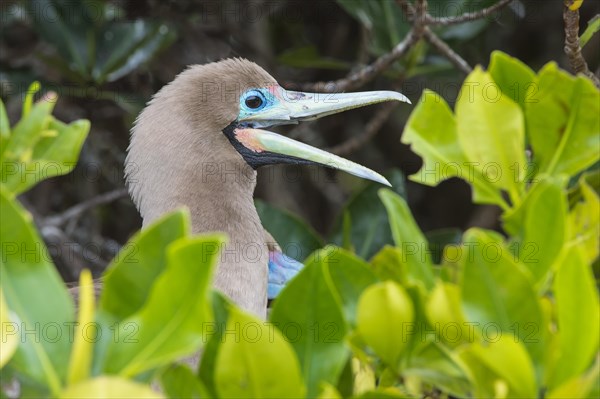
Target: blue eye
{"points": [[254, 100]]}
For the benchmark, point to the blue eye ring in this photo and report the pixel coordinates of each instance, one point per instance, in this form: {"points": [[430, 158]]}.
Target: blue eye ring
{"points": [[254, 100]]}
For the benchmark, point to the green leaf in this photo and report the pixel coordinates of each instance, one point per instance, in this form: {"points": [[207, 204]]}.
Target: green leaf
{"points": [[384, 311], [581, 387], [216, 330], [514, 78], [124, 46], [435, 365], [37, 297], [511, 363], [584, 221], [179, 381], [592, 28], [370, 230], [349, 277], [444, 312], [296, 238], [491, 132], [170, 324], [313, 324], [55, 22], [432, 133], [382, 18], [10, 341], [539, 239], [440, 239], [41, 147], [26, 133], [81, 355], [109, 387], [409, 238], [498, 295], [578, 314], [256, 361], [130, 276], [563, 122], [4, 129], [387, 265], [56, 155]]}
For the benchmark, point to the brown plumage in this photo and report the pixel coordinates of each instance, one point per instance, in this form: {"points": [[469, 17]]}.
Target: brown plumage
{"points": [[179, 156]]}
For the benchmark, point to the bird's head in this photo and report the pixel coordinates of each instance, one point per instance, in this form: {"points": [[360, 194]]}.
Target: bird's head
{"points": [[265, 105], [217, 112]]}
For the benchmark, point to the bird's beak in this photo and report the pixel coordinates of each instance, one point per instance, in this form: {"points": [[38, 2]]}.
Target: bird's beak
{"points": [[293, 107]]}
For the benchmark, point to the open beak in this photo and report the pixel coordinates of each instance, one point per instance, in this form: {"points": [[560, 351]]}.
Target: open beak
{"points": [[292, 107]]}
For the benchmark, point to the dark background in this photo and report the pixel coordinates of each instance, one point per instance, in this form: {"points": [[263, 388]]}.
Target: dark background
{"points": [[297, 42]]}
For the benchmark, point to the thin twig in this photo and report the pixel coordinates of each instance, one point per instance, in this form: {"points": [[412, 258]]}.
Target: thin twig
{"points": [[572, 47], [418, 15], [75, 211], [367, 73], [469, 16], [443, 48], [371, 129]]}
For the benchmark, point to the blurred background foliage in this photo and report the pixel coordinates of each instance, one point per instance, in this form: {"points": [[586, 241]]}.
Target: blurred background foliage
{"points": [[105, 59]]}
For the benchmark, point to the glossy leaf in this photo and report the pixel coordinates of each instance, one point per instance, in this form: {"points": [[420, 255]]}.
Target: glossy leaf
{"points": [[584, 221], [81, 354], [580, 387], [539, 239], [296, 238], [444, 312], [169, 325], [109, 387], [515, 79], [433, 364], [256, 361], [578, 311], [313, 323], [384, 312], [382, 18], [349, 277], [509, 360], [93, 48], [36, 294], [41, 147], [432, 133], [214, 338], [370, 230], [387, 265], [563, 122], [179, 381], [130, 276], [491, 132], [124, 46], [409, 238], [10, 340], [491, 277]]}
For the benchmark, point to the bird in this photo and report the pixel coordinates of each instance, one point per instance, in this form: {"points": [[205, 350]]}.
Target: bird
{"points": [[198, 144]]}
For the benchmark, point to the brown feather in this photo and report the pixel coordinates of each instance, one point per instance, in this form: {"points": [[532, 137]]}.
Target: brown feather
{"points": [[179, 156]]}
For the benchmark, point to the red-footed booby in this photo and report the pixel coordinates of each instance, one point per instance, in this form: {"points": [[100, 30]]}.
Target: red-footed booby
{"points": [[198, 144]]}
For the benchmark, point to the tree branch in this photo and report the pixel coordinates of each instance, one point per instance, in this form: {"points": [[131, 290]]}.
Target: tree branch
{"points": [[371, 129], [418, 15], [443, 48], [367, 73], [572, 47], [467, 17], [75, 211]]}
